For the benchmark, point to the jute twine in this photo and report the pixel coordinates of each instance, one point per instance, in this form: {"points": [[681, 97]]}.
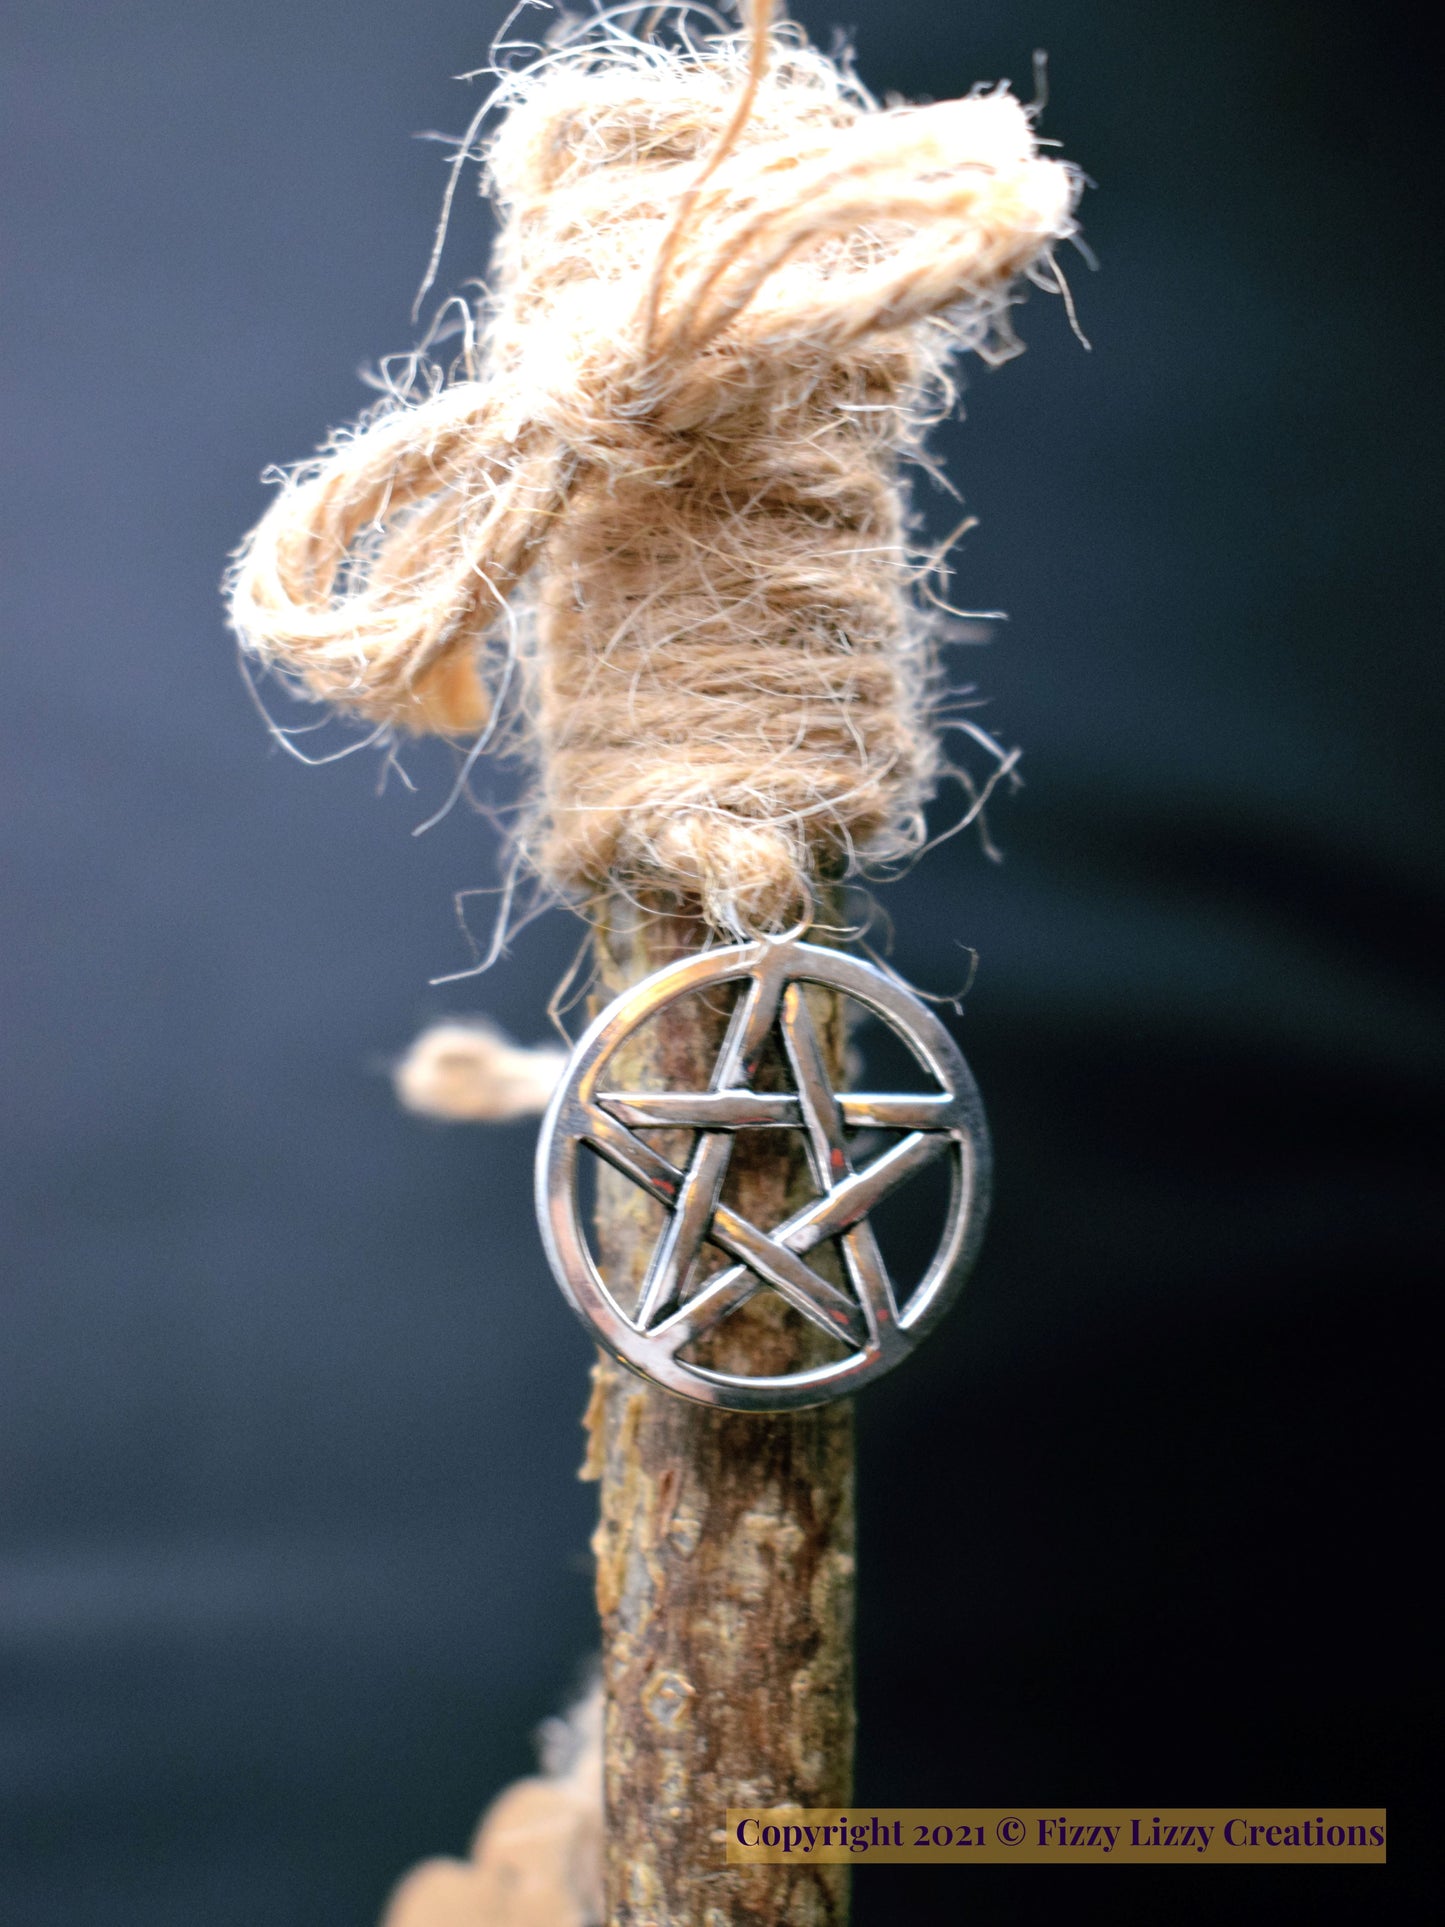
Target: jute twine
{"points": [[660, 511]]}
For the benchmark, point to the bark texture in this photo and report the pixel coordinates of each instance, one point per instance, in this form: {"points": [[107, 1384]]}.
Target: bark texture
{"points": [[724, 1549]]}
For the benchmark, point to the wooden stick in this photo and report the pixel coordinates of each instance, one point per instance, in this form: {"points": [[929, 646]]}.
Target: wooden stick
{"points": [[724, 1549]]}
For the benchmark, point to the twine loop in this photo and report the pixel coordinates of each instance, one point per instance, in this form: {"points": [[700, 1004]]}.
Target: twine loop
{"points": [[668, 489]]}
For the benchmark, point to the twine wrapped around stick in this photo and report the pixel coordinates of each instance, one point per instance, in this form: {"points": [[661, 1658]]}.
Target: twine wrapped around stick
{"points": [[663, 503]]}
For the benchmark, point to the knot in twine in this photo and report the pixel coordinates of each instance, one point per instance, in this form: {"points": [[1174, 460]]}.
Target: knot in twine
{"points": [[667, 491]]}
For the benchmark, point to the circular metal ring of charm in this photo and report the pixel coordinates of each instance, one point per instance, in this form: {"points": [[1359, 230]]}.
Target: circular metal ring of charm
{"points": [[866, 1317]]}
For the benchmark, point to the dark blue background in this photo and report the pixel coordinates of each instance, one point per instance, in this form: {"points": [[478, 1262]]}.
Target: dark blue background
{"points": [[294, 1557]]}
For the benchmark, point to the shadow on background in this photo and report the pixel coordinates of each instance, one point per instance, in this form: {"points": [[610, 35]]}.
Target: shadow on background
{"points": [[294, 1555]]}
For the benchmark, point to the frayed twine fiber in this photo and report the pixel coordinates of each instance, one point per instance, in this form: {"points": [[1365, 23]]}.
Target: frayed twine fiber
{"points": [[667, 490], [536, 1860], [464, 1070]]}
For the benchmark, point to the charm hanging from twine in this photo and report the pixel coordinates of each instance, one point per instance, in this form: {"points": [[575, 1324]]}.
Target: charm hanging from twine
{"points": [[866, 1319]]}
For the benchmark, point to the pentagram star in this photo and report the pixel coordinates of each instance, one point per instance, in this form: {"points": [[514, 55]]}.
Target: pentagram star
{"points": [[864, 1318]]}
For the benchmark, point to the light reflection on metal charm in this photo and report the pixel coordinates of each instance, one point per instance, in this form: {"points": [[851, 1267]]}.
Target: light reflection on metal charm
{"points": [[865, 1318]]}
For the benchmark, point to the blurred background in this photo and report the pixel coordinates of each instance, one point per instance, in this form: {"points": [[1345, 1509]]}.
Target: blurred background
{"points": [[294, 1557]]}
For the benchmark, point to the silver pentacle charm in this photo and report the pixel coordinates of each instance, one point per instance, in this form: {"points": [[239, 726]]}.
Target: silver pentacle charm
{"points": [[709, 1258]]}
